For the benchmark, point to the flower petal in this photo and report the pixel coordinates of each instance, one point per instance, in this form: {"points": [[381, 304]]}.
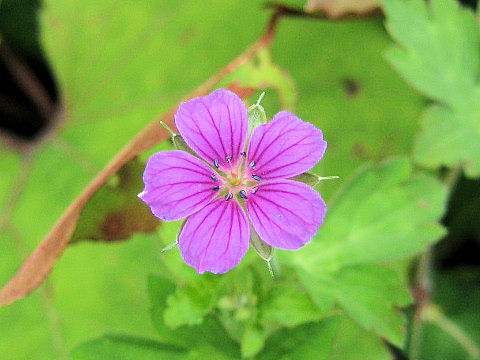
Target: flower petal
{"points": [[216, 238], [285, 147], [177, 184], [215, 126], [286, 214]]}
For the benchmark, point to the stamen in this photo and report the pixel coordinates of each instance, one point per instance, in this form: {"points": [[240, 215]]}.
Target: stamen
{"points": [[252, 164], [215, 163], [256, 177], [214, 178], [254, 190], [228, 158], [244, 154], [243, 194], [216, 188], [228, 196]]}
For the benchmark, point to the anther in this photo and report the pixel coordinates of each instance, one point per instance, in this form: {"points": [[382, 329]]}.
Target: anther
{"points": [[254, 190], [214, 178], [215, 163], [216, 188], [244, 154], [252, 164], [256, 177], [243, 194], [228, 158], [228, 196]]}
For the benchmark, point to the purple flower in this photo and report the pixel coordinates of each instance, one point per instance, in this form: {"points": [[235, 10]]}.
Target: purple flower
{"points": [[235, 180]]}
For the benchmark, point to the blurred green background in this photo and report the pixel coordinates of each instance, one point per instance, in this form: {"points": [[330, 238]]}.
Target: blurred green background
{"points": [[112, 67]]}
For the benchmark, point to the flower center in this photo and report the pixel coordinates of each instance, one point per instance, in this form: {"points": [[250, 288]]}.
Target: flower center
{"points": [[237, 181]]}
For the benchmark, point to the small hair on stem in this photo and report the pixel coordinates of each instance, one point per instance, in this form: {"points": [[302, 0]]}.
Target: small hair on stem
{"points": [[260, 98], [168, 128]]}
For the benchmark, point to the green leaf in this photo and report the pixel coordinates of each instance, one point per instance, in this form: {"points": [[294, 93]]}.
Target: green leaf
{"points": [[384, 213], [115, 85], [206, 351], [307, 341], [210, 332], [351, 342], [159, 290], [125, 347], [190, 303], [370, 294], [261, 72], [238, 298], [253, 341], [347, 89], [334, 338], [438, 52], [117, 69], [287, 305], [114, 347]]}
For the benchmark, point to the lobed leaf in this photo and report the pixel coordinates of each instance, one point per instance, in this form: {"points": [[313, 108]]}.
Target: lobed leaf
{"points": [[384, 213], [113, 347], [37, 267], [334, 338], [438, 52], [288, 305], [209, 332]]}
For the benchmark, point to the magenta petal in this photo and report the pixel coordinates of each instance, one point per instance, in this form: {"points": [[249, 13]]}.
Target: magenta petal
{"points": [[177, 184], [214, 126], [286, 214], [285, 147], [216, 238]]}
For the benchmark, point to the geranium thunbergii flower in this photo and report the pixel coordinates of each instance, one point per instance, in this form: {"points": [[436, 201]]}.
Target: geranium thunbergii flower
{"points": [[235, 182]]}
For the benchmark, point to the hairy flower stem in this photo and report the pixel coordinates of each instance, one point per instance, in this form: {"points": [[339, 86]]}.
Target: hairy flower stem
{"points": [[433, 314], [422, 294], [423, 286]]}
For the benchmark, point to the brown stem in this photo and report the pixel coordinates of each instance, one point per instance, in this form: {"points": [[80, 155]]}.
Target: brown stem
{"points": [[422, 294]]}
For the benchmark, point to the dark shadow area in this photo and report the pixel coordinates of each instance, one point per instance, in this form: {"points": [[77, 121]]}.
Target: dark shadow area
{"points": [[28, 92]]}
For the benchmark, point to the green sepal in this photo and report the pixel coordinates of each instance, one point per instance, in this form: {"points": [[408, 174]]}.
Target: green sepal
{"points": [[180, 144], [177, 140], [264, 250], [311, 179], [256, 116]]}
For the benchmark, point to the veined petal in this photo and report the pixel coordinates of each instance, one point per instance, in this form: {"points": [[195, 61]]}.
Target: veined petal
{"points": [[215, 126], [286, 214], [285, 147], [216, 238], [177, 184]]}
